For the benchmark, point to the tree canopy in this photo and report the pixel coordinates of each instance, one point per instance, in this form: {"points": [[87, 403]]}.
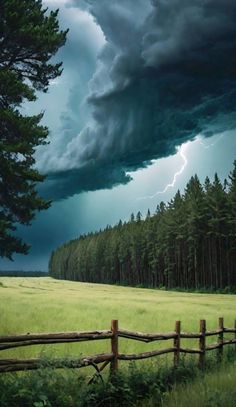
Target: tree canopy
{"points": [[29, 38], [188, 243]]}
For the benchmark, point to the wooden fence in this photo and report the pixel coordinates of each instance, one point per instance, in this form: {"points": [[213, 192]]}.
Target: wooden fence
{"points": [[112, 358]]}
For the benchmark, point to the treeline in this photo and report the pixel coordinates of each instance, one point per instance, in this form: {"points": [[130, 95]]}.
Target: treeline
{"points": [[22, 273], [189, 243]]}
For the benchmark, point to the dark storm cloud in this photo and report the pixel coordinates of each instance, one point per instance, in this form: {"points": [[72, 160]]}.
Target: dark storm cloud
{"points": [[65, 184], [66, 111], [166, 73]]}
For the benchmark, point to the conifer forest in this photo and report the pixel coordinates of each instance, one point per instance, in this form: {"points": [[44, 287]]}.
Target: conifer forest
{"points": [[189, 243]]}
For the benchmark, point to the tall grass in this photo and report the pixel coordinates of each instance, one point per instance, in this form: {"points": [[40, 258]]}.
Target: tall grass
{"points": [[213, 390], [47, 305]]}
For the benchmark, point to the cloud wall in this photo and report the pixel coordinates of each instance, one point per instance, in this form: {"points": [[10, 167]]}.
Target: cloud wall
{"points": [[165, 73]]}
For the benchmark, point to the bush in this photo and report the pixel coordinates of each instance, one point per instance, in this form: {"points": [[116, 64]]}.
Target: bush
{"points": [[66, 388]]}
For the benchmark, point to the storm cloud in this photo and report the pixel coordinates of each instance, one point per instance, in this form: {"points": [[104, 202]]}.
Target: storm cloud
{"points": [[166, 73]]}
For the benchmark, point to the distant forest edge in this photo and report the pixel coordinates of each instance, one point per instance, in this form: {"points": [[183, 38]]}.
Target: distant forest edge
{"points": [[21, 273], [189, 243]]}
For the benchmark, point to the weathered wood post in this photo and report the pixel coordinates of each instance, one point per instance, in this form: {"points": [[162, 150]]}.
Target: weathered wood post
{"points": [[114, 346], [235, 332], [177, 343], [202, 343], [220, 339]]}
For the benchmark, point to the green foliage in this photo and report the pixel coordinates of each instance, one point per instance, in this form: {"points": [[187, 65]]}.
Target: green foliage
{"points": [[216, 389], [50, 388], [189, 243], [29, 37], [137, 386]]}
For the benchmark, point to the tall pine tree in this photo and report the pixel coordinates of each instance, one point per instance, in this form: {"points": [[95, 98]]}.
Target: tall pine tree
{"points": [[29, 37]]}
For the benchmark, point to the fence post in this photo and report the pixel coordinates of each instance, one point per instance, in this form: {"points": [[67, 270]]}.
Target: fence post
{"points": [[235, 332], [202, 343], [114, 346], [221, 339], [177, 343]]}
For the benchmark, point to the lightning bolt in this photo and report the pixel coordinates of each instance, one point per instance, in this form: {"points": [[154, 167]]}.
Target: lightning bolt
{"points": [[181, 151]]}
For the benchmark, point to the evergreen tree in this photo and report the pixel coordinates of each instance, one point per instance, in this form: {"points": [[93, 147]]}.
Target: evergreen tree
{"points": [[29, 37], [189, 242], [195, 227]]}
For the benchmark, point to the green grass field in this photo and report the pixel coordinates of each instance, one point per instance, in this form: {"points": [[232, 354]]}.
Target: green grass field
{"points": [[48, 305], [214, 390]]}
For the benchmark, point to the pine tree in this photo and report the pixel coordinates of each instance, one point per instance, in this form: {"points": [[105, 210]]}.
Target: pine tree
{"points": [[189, 243], [195, 226], [29, 37], [218, 212]]}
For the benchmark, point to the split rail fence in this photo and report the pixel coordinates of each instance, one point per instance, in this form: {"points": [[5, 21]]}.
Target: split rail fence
{"points": [[112, 358]]}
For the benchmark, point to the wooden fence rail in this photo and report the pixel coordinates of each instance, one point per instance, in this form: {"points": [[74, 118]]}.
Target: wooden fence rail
{"points": [[14, 341]]}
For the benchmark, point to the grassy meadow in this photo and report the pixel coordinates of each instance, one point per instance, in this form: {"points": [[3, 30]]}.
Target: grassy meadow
{"points": [[48, 305], [215, 390]]}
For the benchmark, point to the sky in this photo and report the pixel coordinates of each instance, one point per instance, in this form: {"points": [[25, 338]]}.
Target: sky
{"points": [[145, 101]]}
